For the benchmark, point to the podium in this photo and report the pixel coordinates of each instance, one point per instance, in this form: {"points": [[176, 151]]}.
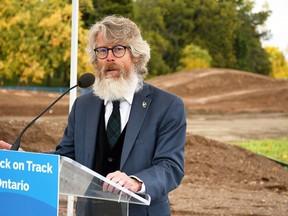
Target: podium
{"points": [[81, 191], [51, 185]]}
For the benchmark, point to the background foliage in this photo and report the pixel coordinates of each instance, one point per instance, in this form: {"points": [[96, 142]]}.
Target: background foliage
{"points": [[279, 63], [183, 34], [275, 149]]}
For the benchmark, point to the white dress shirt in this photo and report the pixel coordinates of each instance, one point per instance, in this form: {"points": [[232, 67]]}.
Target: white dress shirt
{"points": [[125, 108]]}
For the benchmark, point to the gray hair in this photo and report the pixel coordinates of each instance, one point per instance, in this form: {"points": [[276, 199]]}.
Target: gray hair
{"points": [[120, 30]]}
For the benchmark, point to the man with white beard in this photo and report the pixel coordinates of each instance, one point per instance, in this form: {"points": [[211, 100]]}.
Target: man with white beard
{"points": [[145, 153]]}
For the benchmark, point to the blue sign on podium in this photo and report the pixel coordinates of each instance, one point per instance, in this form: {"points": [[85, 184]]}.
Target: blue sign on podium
{"points": [[29, 183]]}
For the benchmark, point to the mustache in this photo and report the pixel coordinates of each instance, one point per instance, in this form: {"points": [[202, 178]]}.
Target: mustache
{"points": [[112, 66]]}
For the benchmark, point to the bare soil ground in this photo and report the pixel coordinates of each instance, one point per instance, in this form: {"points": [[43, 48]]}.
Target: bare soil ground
{"points": [[221, 179]]}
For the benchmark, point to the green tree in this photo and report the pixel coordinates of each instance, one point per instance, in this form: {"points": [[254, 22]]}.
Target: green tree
{"points": [[248, 48], [97, 9], [35, 35], [216, 23], [179, 27], [209, 24], [194, 57], [35, 41], [15, 55], [226, 28], [152, 27], [167, 27]]}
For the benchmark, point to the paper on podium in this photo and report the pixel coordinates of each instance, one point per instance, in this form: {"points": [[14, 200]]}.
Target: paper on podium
{"points": [[80, 181]]}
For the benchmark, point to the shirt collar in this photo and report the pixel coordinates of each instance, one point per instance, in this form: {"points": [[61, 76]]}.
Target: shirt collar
{"points": [[128, 97]]}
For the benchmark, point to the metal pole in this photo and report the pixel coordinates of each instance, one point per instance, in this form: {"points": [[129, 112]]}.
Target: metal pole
{"points": [[70, 205], [74, 52]]}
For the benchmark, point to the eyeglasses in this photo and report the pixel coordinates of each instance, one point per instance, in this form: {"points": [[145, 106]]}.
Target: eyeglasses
{"points": [[118, 51]]}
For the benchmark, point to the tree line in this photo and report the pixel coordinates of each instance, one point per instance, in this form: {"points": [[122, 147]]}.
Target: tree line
{"points": [[183, 34]]}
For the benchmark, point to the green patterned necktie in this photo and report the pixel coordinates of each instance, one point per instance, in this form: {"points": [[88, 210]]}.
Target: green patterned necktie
{"points": [[114, 125]]}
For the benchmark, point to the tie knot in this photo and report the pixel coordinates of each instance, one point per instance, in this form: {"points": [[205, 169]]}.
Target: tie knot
{"points": [[116, 104]]}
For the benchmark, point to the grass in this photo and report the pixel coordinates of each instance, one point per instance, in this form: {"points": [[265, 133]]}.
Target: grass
{"points": [[276, 149]]}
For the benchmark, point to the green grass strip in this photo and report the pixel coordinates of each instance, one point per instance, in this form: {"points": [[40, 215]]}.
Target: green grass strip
{"points": [[274, 149]]}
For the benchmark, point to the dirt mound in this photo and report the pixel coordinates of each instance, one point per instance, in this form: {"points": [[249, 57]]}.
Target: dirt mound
{"points": [[227, 180], [220, 179], [31, 103], [203, 91], [43, 136], [226, 91]]}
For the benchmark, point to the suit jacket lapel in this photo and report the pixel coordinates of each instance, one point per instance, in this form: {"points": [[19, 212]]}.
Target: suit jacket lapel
{"points": [[139, 109], [92, 120]]}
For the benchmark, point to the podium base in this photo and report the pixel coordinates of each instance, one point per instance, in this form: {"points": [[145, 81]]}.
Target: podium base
{"points": [[78, 206]]}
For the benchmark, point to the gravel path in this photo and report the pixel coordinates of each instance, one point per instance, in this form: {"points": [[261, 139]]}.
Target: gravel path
{"points": [[238, 127]]}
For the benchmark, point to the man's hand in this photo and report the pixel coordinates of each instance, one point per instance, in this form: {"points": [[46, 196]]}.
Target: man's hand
{"points": [[123, 180], [4, 145]]}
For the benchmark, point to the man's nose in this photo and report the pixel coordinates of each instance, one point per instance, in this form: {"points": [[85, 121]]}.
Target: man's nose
{"points": [[110, 56]]}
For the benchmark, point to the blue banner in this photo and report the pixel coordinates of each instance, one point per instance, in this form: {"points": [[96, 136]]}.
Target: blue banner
{"points": [[29, 184]]}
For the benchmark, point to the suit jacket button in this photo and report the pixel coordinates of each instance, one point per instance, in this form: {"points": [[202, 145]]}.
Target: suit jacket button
{"points": [[110, 159]]}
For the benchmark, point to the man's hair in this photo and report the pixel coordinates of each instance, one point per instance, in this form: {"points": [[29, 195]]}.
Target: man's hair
{"points": [[120, 31]]}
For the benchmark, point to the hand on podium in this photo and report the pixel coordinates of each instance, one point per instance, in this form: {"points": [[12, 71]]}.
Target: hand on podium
{"points": [[7, 146], [123, 180], [4, 145]]}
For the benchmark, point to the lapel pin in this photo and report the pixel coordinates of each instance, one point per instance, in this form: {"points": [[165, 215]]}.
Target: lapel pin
{"points": [[144, 104]]}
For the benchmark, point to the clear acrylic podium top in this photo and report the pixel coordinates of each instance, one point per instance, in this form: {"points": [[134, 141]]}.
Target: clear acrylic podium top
{"points": [[80, 181]]}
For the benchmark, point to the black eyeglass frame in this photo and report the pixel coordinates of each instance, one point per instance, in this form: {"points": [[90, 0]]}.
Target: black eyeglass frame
{"points": [[112, 49]]}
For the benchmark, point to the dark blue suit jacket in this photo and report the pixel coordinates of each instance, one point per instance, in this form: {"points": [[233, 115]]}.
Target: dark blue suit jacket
{"points": [[153, 148]]}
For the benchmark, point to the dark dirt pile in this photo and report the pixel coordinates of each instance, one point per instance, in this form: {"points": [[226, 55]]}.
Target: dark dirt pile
{"points": [[220, 179]]}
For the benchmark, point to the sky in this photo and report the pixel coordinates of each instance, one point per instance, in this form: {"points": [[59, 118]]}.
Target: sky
{"points": [[276, 23]]}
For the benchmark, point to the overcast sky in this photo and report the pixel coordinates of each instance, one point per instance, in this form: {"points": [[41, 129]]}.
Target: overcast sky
{"points": [[277, 23]]}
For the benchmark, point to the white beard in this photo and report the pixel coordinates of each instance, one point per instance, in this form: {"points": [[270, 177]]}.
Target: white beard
{"points": [[116, 88]]}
